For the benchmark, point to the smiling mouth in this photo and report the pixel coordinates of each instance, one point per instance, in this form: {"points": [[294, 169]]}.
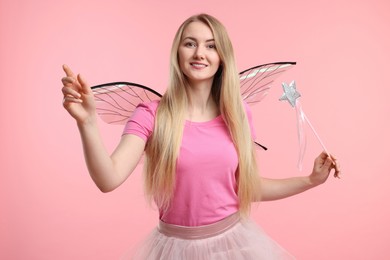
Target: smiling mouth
{"points": [[198, 65]]}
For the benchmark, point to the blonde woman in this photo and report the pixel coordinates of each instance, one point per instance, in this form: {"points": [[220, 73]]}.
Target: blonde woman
{"points": [[200, 167]]}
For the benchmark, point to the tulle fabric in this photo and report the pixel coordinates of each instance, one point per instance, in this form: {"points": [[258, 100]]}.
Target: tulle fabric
{"points": [[230, 239]]}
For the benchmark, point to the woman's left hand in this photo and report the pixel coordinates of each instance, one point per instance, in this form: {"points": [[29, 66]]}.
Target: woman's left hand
{"points": [[323, 165]]}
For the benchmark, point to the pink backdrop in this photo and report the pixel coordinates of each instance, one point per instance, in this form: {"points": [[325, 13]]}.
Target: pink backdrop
{"points": [[50, 209]]}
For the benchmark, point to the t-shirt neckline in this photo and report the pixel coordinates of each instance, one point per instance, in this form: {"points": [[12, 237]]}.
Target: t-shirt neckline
{"points": [[204, 123]]}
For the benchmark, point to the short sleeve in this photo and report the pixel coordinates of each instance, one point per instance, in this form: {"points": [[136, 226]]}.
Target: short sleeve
{"points": [[249, 115], [141, 122]]}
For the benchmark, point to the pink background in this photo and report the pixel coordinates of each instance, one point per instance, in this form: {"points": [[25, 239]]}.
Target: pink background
{"points": [[50, 209]]}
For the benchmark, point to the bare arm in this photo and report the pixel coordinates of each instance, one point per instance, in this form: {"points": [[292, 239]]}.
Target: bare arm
{"points": [[274, 189], [108, 172]]}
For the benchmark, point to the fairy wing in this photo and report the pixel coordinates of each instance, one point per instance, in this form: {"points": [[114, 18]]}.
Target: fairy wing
{"points": [[256, 81], [116, 101]]}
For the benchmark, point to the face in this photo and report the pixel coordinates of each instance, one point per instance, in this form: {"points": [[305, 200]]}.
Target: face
{"points": [[198, 57]]}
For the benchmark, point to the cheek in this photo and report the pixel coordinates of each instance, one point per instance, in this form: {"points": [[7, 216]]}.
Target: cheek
{"points": [[217, 62], [180, 59], [182, 66], [216, 59], [182, 56]]}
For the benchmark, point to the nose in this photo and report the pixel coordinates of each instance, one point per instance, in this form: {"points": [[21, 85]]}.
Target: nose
{"points": [[199, 53]]}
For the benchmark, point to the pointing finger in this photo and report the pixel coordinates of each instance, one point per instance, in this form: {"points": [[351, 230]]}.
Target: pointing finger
{"points": [[68, 71]]}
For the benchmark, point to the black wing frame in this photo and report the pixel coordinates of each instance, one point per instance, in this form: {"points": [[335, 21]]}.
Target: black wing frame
{"points": [[116, 101]]}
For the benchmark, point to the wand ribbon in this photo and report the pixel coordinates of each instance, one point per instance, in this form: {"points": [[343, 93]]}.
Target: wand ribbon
{"points": [[291, 95]]}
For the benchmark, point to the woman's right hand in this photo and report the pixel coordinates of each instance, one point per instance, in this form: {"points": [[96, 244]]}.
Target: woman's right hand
{"points": [[78, 97]]}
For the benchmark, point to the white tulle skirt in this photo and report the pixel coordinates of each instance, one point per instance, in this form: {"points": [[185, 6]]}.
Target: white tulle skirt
{"points": [[231, 238]]}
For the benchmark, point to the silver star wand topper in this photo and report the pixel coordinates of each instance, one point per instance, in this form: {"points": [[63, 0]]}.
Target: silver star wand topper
{"points": [[291, 95]]}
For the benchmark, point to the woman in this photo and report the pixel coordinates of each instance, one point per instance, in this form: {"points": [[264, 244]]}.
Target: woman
{"points": [[200, 166]]}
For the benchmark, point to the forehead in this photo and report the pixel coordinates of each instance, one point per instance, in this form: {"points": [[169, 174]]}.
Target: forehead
{"points": [[198, 31]]}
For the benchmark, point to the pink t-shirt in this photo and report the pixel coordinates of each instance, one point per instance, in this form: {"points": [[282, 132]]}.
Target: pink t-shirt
{"points": [[205, 178]]}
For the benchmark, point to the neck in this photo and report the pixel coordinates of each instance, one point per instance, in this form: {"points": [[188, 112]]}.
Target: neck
{"points": [[202, 106]]}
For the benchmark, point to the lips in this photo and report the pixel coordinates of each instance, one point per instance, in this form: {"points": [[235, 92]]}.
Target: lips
{"points": [[198, 65]]}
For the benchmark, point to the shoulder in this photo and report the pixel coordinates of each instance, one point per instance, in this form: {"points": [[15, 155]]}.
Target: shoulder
{"points": [[141, 122], [146, 110], [150, 106]]}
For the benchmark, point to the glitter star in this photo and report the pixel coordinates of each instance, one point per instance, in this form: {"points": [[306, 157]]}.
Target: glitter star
{"points": [[290, 93]]}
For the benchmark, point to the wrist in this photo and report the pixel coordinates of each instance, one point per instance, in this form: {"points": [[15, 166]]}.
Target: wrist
{"points": [[87, 122], [311, 182]]}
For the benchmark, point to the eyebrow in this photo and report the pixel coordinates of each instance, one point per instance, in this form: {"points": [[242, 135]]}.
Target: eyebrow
{"points": [[195, 40]]}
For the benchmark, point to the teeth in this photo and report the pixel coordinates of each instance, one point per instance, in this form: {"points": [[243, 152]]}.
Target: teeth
{"points": [[198, 65]]}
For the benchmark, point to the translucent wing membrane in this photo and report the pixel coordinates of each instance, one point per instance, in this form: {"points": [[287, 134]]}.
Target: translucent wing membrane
{"points": [[256, 82], [116, 101]]}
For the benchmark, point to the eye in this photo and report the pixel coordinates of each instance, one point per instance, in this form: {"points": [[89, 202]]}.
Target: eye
{"points": [[190, 44], [211, 46]]}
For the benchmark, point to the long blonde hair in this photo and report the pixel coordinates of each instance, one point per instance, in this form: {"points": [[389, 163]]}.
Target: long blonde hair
{"points": [[163, 147]]}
